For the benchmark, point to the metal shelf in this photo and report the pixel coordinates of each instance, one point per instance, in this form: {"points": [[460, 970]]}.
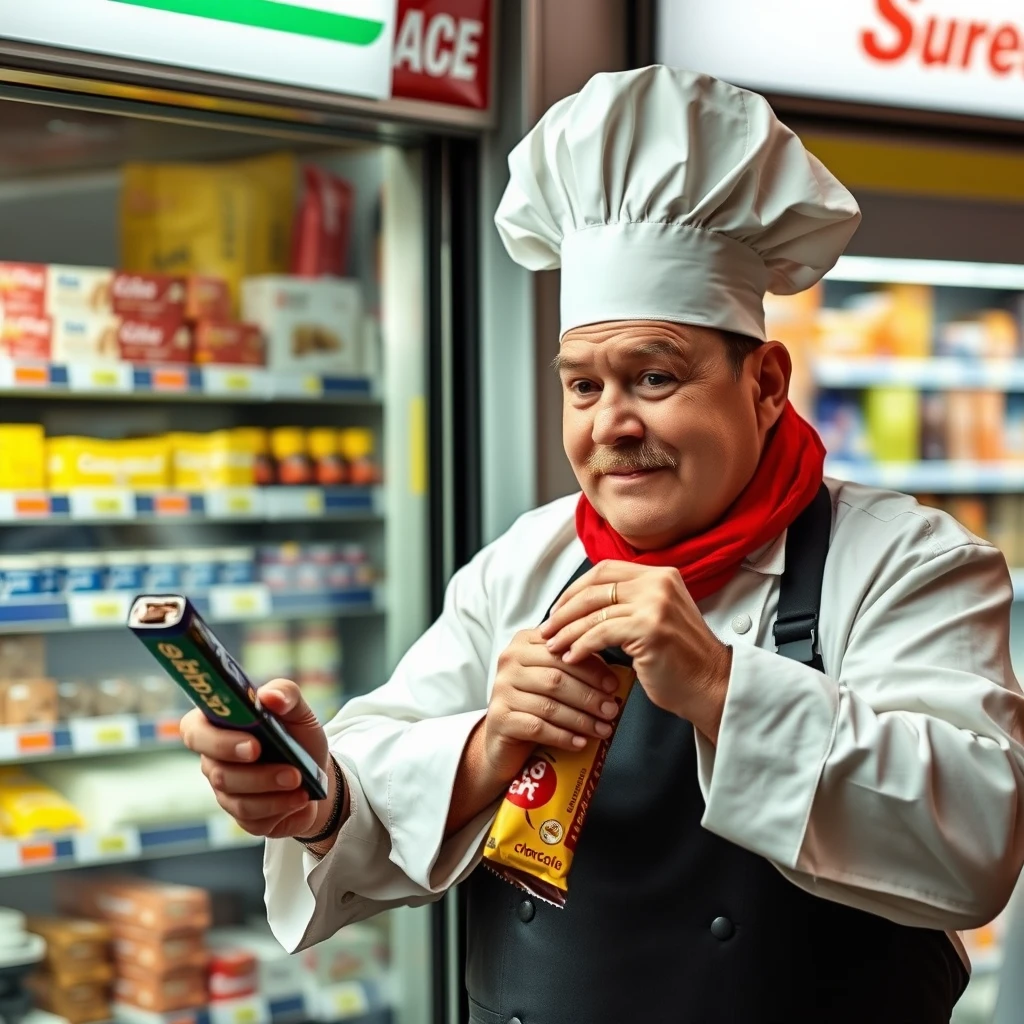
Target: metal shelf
{"points": [[933, 477], [174, 383], [230, 504], [87, 737], [928, 374], [251, 602], [129, 843], [939, 273]]}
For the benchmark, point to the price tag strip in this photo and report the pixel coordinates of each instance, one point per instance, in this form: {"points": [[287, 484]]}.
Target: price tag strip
{"points": [[98, 847], [244, 601], [17, 505], [343, 1001], [234, 503], [85, 610], [237, 381], [224, 833], [251, 1010], [294, 502], [111, 732], [92, 503], [101, 378]]}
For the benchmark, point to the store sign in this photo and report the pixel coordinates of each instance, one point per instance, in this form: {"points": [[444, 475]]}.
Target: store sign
{"points": [[342, 46], [963, 56], [442, 52]]}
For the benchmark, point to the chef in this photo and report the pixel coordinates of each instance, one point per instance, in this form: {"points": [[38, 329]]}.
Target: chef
{"points": [[818, 778]]}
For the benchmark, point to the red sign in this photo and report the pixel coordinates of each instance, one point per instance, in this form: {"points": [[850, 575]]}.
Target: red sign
{"points": [[443, 52]]}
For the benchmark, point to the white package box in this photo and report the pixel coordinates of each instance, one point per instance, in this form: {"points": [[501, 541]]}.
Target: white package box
{"points": [[311, 324], [78, 289], [79, 337]]}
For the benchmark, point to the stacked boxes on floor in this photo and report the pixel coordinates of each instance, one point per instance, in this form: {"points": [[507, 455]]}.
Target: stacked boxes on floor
{"points": [[75, 980], [159, 938]]}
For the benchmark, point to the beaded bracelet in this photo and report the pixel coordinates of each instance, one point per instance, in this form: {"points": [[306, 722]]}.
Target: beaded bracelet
{"points": [[332, 823]]}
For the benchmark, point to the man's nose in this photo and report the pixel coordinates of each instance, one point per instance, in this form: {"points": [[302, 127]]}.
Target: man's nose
{"points": [[616, 422]]}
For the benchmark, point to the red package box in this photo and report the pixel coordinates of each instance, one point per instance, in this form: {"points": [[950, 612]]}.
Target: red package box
{"points": [[229, 344], [153, 296], [26, 337], [166, 340], [232, 974], [22, 289], [323, 226], [207, 298]]}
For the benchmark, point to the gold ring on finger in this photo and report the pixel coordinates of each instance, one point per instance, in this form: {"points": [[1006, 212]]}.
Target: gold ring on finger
{"points": [[614, 595]]}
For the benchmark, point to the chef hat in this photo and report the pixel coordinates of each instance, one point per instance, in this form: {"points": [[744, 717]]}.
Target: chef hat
{"points": [[667, 195]]}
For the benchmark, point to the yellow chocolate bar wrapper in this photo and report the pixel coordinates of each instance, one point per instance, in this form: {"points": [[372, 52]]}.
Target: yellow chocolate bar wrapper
{"points": [[534, 836]]}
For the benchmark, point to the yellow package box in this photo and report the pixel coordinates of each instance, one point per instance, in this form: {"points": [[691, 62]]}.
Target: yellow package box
{"points": [[141, 464], [29, 808], [22, 456], [224, 458]]}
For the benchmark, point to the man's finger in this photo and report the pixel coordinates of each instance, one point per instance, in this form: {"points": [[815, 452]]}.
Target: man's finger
{"points": [[529, 728], [578, 723], [578, 627], [255, 808], [251, 778], [558, 685], [593, 672], [604, 572], [220, 744]]}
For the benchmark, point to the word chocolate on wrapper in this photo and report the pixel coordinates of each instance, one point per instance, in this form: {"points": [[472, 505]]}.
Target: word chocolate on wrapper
{"points": [[534, 836]]}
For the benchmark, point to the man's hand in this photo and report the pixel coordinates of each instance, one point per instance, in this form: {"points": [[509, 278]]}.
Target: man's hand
{"points": [[646, 611], [265, 799], [539, 699]]}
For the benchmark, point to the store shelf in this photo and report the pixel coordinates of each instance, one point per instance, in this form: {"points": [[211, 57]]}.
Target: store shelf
{"points": [[939, 273], [362, 1001], [213, 383], [87, 736], [927, 374], [231, 504], [249, 602], [933, 477], [94, 849]]}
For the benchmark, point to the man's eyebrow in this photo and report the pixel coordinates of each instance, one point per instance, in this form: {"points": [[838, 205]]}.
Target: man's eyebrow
{"points": [[654, 347]]}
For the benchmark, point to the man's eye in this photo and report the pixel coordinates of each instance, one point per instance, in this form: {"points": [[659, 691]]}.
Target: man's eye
{"points": [[583, 387], [656, 380]]}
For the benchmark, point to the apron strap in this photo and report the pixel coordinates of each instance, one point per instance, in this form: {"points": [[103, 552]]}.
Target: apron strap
{"points": [[796, 627]]}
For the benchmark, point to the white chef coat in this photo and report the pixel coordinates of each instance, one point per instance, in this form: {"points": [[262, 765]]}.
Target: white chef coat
{"points": [[893, 783]]}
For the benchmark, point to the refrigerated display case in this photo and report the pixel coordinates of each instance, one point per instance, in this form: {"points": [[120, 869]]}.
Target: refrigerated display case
{"points": [[285, 455]]}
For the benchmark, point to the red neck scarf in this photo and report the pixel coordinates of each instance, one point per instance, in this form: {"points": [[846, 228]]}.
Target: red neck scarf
{"points": [[786, 480]]}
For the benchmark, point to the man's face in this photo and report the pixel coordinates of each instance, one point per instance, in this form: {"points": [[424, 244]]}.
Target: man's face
{"points": [[661, 434]]}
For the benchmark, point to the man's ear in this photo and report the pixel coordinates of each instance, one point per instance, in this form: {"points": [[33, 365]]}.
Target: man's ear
{"points": [[772, 367]]}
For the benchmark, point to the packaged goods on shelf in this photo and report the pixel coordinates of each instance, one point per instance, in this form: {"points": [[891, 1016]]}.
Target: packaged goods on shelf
{"points": [[897, 321], [154, 341], [28, 701], [989, 334], [21, 577], [356, 951], [324, 446], [840, 421], [230, 220], [75, 946], [1013, 427], [228, 343], [315, 567], [223, 458], [280, 974], [159, 907], [207, 298], [81, 1002], [290, 448], [160, 953], [22, 657], [162, 788], [142, 464], [231, 974], [975, 425], [308, 324], [357, 448], [29, 807], [893, 419], [151, 296], [22, 456], [22, 289], [268, 652], [26, 336], [82, 336], [324, 225], [78, 288], [182, 989]]}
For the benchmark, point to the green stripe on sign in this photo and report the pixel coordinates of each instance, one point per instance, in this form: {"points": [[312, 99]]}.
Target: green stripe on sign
{"points": [[281, 17]]}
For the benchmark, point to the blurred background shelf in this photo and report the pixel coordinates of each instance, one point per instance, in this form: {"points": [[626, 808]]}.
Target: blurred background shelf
{"points": [[933, 477], [928, 374], [118, 505], [214, 383], [244, 603], [936, 273], [93, 849], [88, 736]]}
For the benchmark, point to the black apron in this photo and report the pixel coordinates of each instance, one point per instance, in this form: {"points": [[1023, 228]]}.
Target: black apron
{"points": [[666, 923]]}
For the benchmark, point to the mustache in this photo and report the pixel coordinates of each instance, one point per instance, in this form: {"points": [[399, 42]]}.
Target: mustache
{"points": [[639, 457]]}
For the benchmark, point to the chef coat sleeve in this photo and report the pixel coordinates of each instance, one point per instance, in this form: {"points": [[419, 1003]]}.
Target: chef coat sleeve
{"points": [[398, 748], [893, 783]]}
